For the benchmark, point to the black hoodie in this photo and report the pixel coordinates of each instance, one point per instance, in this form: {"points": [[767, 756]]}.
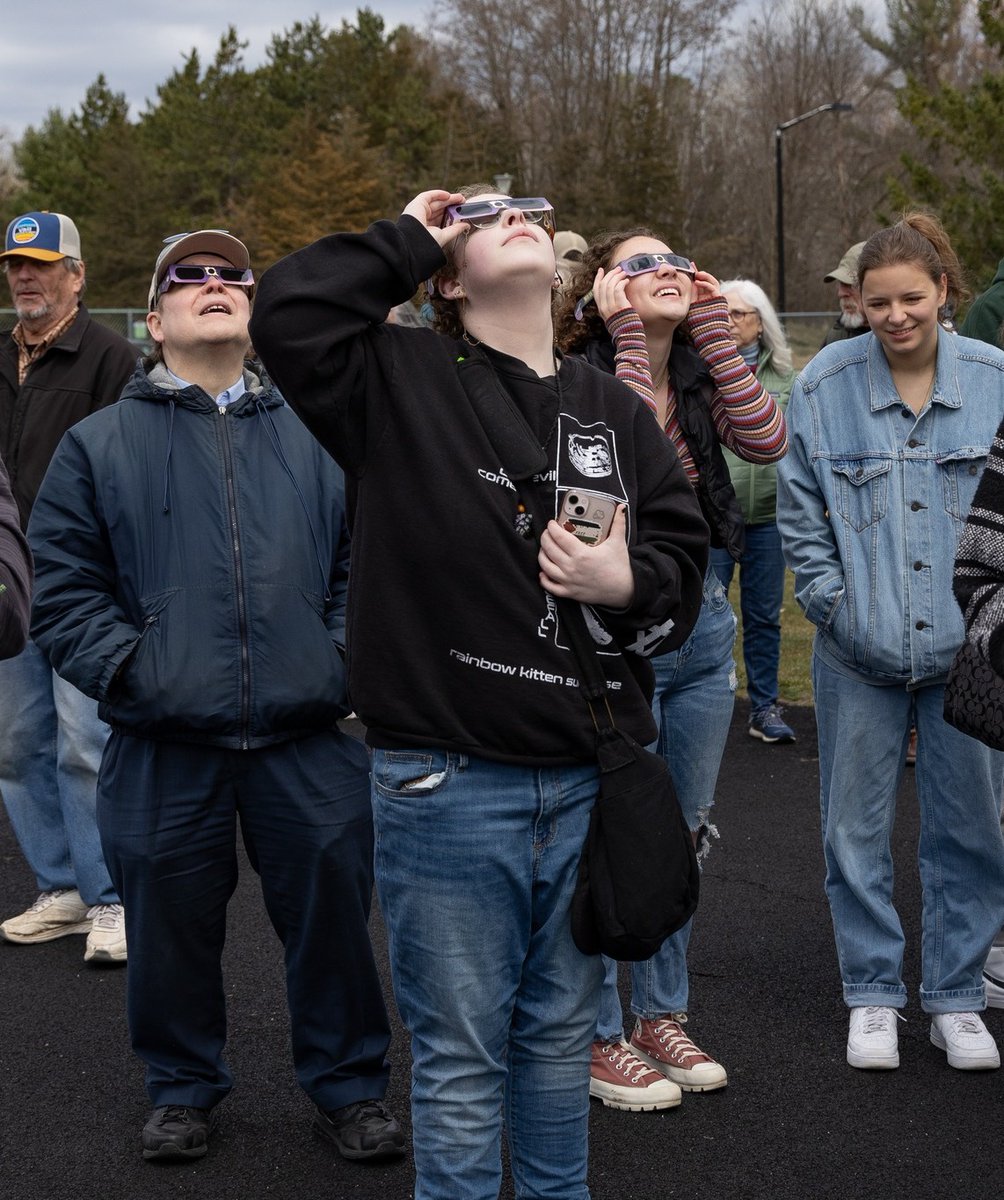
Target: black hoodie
{"points": [[452, 642]]}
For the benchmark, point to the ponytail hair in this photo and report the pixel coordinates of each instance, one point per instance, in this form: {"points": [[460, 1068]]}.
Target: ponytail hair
{"points": [[918, 237]]}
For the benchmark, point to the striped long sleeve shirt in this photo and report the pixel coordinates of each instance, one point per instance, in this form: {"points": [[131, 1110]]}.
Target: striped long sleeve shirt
{"points": [[745, 416]]}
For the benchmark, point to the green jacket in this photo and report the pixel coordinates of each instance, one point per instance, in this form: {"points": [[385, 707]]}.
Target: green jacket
{"points": [[984, 318], [756, 486]]}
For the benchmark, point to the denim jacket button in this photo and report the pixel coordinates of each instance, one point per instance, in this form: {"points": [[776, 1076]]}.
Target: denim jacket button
{"points": [[918, 565], [916, 506], [913, 443], [921, 625]]}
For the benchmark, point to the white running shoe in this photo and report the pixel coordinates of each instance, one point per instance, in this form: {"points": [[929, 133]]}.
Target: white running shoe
{"points": [[968, 1042], [106, 943], [53, 915], [872, 1039]]}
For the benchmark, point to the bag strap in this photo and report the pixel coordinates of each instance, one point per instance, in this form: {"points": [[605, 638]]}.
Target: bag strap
{"points": [[508, 431], [523, 458]]}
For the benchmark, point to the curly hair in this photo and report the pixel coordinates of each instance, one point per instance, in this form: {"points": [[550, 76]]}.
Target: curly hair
{"points": [[571, 334], [920, 238]]}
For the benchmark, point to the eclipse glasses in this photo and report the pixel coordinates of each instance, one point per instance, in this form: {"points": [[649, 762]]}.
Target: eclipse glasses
{"points": [[192, 273], [639, 264], [482, 214]]}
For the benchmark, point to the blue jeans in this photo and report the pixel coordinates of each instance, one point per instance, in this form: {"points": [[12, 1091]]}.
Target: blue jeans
{"points": [[761, 593], [476, 863], [694, 696], [50, 749], [863, 733], [169, 813]]}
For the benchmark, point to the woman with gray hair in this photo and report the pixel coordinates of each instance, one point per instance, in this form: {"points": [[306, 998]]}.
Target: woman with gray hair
{"points": [[760, 340]]}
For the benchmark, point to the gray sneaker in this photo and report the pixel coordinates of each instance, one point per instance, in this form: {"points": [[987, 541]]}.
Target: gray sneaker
{"points": [[53, 915]]}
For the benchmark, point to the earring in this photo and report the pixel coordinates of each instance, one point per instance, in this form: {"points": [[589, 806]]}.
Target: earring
{"points": [[556, 283], [458, 294]]}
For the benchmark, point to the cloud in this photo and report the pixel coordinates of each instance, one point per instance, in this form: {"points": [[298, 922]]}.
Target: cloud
{"points": [[55, 49]]}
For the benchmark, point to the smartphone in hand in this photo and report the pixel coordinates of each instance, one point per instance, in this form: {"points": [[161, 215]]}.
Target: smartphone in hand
{"points": [[587, 515]]}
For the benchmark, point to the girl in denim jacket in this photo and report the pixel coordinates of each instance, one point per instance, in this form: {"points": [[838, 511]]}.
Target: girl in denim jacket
{"points": [[888, 435]]}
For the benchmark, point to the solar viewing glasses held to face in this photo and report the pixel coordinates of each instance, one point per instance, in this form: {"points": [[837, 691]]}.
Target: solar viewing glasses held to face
{"points": [[639, 264], [192, 273], [481, 214]]}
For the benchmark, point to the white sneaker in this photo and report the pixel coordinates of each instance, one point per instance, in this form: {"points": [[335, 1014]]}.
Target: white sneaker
{"points": [[872, 1039], [106, 943], [53, 915], [967, 1040]]}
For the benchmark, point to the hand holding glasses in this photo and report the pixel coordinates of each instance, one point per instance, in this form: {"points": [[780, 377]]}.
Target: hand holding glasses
{"points": [[482, 214], [640, 264]]}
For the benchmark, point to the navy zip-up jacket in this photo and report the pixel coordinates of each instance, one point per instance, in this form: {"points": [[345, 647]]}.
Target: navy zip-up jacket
{"points": [[191, 566]]}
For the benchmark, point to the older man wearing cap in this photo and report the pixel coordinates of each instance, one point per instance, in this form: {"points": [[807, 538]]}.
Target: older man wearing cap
{"points": [[569, 248], [851, 320], [56, 366], [191, 570]]}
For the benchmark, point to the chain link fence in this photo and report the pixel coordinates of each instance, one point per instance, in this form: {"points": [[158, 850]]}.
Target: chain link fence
{"points": [[805, 330], [130, 322]]}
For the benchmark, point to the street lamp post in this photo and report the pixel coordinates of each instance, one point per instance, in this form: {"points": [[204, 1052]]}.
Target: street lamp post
{"points": [[834, 106]]}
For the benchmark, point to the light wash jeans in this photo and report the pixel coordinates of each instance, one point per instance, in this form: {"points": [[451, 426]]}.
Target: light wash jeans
{"points": [[761, 594], [694, 696], [50, 750], [476, 863], [863, 733]]}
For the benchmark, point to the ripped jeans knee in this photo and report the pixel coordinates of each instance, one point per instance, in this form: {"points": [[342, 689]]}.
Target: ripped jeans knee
{"points": [[703, 834]]}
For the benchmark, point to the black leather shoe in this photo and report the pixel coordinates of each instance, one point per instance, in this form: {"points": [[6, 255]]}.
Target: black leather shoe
{"points": [[176, 1131], [364, 1130]]}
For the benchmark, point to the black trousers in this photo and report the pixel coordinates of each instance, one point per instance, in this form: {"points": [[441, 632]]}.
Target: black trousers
{"points": [[168, 813]]}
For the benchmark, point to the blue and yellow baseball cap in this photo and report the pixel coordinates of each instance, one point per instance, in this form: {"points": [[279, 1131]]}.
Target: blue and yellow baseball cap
{"points": [[45, 235]]}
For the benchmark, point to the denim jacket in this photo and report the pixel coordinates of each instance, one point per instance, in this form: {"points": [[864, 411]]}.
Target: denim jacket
{"points": [[872, 501]]}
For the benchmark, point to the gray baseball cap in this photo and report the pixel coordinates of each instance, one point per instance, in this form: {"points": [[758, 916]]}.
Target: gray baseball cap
{"points": [[846, 271], [201, 241]]}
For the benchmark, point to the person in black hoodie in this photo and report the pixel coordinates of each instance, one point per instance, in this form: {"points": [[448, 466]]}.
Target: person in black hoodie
{"points": [[191, 558], [483, 761]]}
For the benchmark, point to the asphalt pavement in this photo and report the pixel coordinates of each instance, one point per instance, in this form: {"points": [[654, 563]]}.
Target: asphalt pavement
{"points": [[795, 1122]]}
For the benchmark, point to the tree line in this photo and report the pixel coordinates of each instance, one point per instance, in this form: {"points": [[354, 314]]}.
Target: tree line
{"points": [[659, 113]]}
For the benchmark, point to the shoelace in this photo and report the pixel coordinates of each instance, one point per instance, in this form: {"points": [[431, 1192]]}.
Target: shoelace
{"points": [[105, 916], [878, 1020], [624, 1062], [675, 1042], [965, 1023], [46, 898], [172, 1112]]}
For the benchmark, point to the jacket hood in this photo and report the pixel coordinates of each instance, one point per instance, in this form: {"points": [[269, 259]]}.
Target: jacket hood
{"points": [[154, 382]]}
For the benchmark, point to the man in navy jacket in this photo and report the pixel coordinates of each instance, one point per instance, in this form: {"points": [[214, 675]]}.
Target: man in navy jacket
{"points": [[191, 571]]}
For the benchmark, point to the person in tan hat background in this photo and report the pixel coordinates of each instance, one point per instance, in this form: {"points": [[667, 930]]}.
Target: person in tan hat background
{"points": [[851, 320], [568, 250], [57, 366]]}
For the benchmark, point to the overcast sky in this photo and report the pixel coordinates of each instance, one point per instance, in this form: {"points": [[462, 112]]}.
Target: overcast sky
{"points": [[52, 50]]}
